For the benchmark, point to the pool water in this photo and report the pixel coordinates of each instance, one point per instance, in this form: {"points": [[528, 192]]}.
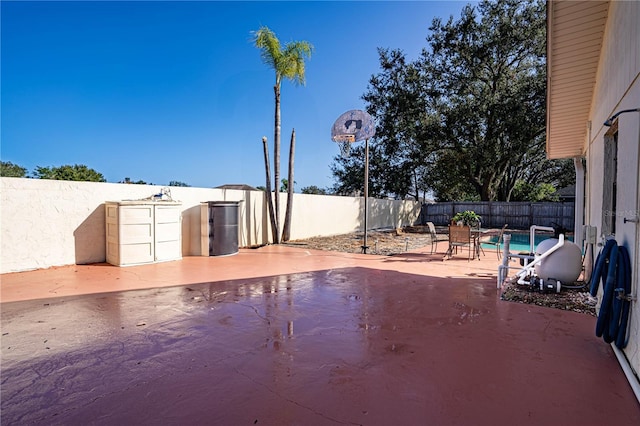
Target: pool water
{"points": [[520, 242]]}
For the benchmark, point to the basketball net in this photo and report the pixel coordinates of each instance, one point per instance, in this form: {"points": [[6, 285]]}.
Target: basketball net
{"points": [[344, 143]]}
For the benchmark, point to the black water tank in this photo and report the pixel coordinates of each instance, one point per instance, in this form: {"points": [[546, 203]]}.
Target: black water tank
{"points": [[223, 227]]}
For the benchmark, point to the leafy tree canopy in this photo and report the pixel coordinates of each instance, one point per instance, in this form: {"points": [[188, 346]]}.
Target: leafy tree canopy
{"points": [[526, 191], [349, 173], [178, 183], [314, 190], [466, 120], [8, 169], [288, 60], [284, 187], [77, 172]]}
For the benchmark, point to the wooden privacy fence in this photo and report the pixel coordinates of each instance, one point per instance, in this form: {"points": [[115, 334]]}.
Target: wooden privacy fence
{"points": [[518, 215]]}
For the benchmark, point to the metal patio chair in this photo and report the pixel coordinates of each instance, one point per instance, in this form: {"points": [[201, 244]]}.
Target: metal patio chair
{"points": [[460, 236], [498, 242], [435, 238]]}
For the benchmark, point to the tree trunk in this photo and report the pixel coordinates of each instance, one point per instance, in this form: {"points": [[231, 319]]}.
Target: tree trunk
{"points": [[286, 233], [267, 189], [276, 162]]}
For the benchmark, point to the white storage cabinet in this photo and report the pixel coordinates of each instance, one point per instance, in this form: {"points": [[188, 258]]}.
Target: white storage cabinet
{"points": [[141, 232]]}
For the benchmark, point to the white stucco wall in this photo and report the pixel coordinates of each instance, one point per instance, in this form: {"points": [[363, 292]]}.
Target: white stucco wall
{"points": [[46, 223], [333, 215], [618, 88]]}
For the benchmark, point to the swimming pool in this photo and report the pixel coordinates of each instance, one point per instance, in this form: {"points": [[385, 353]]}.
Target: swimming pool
{"points": [[520, 242]]}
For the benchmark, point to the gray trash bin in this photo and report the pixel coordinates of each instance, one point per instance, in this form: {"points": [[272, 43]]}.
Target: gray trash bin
{"points": [[223, 218]]}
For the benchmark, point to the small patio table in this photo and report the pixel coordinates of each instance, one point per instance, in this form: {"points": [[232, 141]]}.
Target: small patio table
{"points": [[476, 234]]}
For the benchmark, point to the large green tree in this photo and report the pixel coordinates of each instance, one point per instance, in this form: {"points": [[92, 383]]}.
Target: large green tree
{"points": [[8, 169], [349, 173], [466, 120], [288, 62], [313, 189], [77, 172]]}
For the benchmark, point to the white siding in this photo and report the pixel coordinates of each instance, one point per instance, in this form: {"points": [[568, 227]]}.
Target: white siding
{"points": [[618, 88]]}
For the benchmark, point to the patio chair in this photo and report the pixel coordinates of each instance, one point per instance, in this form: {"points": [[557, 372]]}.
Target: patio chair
{"points": [[498, 242], [435, 238], [460, 236]]}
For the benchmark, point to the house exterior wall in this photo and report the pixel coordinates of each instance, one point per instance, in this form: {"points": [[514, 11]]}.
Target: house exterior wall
{"points": [[618, 88], [46, 223]]}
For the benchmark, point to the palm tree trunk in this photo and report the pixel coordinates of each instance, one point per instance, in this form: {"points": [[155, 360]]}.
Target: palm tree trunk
{"points": [[276, 162], [274, 229], [286, 233]]}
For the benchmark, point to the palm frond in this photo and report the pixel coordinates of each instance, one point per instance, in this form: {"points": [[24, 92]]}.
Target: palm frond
{"points": [[269, 45], [287, 62], [294, 55]]}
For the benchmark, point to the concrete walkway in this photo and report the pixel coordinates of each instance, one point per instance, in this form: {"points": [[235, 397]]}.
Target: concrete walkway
{"points": [[281, 335]]}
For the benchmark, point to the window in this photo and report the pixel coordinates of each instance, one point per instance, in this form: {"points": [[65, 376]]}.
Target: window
{"points": [[609, 187]]}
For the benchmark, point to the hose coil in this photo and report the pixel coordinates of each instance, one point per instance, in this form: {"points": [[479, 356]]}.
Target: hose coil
{"points": [[613, 269]]}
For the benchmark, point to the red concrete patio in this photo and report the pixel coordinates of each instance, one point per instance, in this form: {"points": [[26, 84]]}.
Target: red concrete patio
{"points": [[281, 335]]}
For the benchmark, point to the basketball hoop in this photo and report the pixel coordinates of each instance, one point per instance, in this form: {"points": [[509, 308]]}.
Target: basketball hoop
{"points": [[350, 127], [354, 126], [344, 143]]}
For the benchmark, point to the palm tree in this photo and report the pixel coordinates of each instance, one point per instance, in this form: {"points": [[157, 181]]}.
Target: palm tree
{"points": [[288, 63], [267, 189], [286, 232]]}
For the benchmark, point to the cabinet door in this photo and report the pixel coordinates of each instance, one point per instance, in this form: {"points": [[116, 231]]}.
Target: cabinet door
{"points": [[168, 230], [135, 239], [136, 234]]}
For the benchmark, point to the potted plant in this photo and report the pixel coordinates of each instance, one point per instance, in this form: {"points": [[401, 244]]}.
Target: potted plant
{"points": [[466, 218]]}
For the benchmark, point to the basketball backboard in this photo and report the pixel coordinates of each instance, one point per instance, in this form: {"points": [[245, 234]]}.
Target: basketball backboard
{"points": [[355, 122]]}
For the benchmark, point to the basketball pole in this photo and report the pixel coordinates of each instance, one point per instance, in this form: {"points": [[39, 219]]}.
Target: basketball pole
{"points": [[366, 193]]}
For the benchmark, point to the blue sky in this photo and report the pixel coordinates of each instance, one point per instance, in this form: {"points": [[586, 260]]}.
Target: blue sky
{"points": [[162, 91]]}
